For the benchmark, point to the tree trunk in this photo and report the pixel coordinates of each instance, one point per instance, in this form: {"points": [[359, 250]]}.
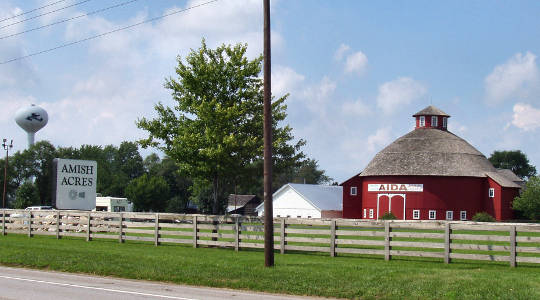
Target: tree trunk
{"points": [[215, 207]]}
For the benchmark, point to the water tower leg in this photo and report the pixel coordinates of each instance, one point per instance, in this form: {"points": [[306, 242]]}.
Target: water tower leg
{"points": [[30, 139]]}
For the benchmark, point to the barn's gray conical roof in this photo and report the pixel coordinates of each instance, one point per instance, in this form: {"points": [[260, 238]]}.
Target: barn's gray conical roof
{"points": [[430, 152]]}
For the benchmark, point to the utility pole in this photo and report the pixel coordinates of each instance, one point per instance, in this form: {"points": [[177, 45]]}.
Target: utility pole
{"points": [[268, 210], [6, 147]]}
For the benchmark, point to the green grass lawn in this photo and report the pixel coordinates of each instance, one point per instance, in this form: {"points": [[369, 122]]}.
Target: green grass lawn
{"points": [[302, 274]]}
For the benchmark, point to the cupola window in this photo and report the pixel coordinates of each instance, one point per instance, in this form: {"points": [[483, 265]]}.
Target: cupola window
{"points": [[444, 122], [422, 121], [434, 121]]}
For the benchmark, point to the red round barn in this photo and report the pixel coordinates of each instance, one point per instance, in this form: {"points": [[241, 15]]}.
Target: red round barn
{"points": [[430, 173]]}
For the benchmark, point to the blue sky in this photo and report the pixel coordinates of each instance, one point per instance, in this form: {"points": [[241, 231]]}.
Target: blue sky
{"points": [[356, 70]]}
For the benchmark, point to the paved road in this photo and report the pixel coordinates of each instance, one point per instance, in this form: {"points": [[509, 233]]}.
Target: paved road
{"points": [[18, 283]]}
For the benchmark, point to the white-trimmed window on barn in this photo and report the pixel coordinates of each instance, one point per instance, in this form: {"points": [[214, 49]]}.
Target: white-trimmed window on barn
{"points": [[371, 213], [444, 122], [416, 214], [365, 213], [434, 121], [354, 191], [449, 215], [422, 121], [491, 192], [463, 215], [432, 214]]}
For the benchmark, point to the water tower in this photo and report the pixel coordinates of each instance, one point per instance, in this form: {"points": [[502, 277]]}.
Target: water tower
{"points": [[31, 118]]}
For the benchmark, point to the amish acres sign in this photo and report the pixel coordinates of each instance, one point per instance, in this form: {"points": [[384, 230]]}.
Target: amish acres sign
{"points": [[75, 184], [395, 187]]}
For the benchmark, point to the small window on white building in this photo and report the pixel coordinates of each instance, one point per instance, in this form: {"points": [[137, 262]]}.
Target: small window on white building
{"points": [[449, 215], [309, 217], [416, 214], [278, 216], [463, 215], [288, 216], [365, 213], [371, 213], [422, 121], [353, 191], [444, 122], [434, 120], [491, 192], [432, 214]]}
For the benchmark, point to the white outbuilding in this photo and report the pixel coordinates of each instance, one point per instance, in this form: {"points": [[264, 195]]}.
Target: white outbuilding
{"points": [[113, 204], [306, 201]]}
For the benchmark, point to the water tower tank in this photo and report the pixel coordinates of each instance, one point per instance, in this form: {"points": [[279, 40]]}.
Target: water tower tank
{"points": [[31, 118]]}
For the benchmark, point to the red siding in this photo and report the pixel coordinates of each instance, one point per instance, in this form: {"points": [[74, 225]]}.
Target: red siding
{"points": [[441, 194], [352, 204], [501, 204]]}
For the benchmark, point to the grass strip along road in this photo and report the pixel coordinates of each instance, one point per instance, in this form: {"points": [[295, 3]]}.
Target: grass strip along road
{"points": [[300, 274]]}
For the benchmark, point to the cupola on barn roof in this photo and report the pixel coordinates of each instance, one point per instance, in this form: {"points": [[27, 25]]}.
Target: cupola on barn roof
{"points": [[431, 111], [430, 151]]}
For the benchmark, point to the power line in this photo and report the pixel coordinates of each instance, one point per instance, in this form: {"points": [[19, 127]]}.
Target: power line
{"points": [[106, 33], [32, 10], [69, 19], [44, 14]]}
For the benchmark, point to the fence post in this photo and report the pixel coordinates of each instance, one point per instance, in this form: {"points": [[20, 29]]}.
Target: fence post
{"points": [[447, 241], [57, 224], [194, 231], [88, 228], [4, 222], [237, 234], [333, 238], [29, 223], [282, 242], [156, 230], [512, 246], [387, 239], [120, 228]]}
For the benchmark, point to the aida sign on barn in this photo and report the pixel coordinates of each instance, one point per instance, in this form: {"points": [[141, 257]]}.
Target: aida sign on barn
{"points": [[75, 186], [395, 187]]}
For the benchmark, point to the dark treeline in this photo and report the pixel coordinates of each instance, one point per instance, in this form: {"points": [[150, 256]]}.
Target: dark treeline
{"points": [[152, 183]]}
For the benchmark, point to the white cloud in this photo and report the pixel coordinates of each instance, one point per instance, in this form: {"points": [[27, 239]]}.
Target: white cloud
{"points": [[457, 128], [317, 96], [356, 63], [355, 108], [340, 52], [285, 80], [359, 152], [526, 117], [516, 78], [396, 93], [379, 139]]}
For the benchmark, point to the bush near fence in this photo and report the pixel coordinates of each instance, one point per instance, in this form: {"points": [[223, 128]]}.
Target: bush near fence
{"points": [[442, 240]]}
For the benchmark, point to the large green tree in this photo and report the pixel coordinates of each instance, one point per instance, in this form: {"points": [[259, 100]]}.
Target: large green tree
{"points": [[148, 193], [528, 203], [514, 160], [214, 131]]}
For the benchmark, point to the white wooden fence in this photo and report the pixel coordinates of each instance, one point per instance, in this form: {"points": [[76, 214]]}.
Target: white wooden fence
{"points": [[513, 243]]}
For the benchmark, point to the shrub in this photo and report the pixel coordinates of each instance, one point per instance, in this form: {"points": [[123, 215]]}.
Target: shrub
{"points": [[27, 195], [388, 216], [483, 217], [528, 203]]}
